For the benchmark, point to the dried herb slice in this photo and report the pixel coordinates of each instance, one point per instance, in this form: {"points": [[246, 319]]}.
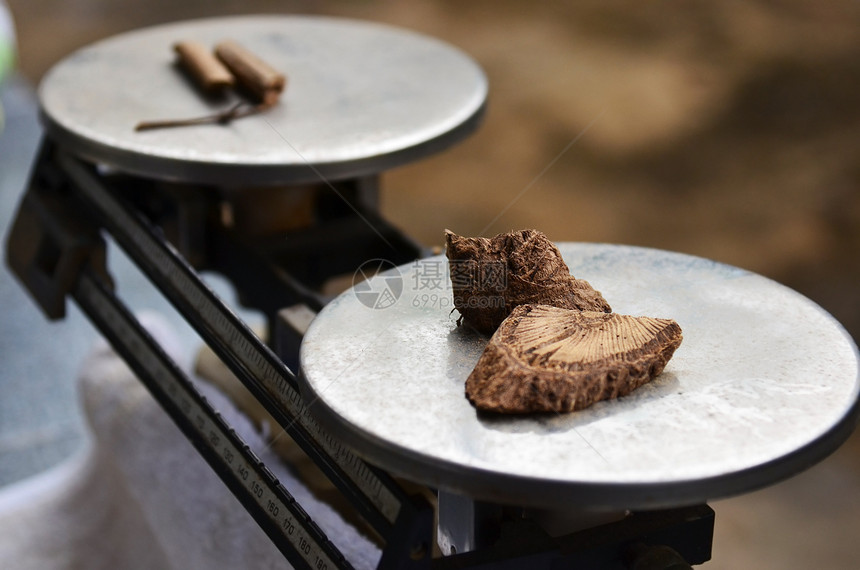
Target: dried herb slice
{"points": [[492, 276], [549, 359]]}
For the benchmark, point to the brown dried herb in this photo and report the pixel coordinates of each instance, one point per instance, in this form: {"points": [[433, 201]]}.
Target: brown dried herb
{"points": [[224, 117], [264, 82], [230, 64], [204, 68], [490, 277], [547, 359]]}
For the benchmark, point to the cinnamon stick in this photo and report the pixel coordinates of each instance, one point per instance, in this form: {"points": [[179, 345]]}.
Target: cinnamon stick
{"points": [[206, 69], [257, 76]]}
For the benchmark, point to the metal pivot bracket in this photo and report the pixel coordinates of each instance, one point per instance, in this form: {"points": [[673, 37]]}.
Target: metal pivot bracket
{"points": [[51, 242]]}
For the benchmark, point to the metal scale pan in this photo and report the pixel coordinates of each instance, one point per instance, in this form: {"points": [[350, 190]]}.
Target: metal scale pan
{"points": [[361, 98], [764, 385]]}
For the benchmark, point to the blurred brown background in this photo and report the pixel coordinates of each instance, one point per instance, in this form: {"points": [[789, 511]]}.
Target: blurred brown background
{"points": [[727, 130]]}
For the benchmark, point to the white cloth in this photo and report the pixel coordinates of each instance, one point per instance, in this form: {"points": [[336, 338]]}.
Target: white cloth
{"points": [[140, 496]]}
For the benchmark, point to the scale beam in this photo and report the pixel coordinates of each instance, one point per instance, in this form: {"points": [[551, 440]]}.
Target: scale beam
{"points": [[78, 199], [265, 499]]}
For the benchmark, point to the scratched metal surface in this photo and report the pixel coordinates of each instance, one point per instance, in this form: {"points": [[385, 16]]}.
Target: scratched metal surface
{"points": [[764, 385], [361, 98]]}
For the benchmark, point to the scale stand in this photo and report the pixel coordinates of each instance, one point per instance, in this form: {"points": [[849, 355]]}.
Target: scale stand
{"points": [[176, 211], [56, 250]]}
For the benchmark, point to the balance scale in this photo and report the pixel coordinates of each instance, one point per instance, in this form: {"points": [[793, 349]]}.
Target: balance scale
{"points": [[764, 385]]}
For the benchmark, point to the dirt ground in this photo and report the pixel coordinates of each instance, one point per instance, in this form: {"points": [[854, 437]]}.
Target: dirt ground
{"points": [[727, 130]]}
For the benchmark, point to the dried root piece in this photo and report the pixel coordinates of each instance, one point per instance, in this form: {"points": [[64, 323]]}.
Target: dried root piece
{"points": [[207, 72], [547, 359], [258, 77], [490, 277], [229, 65]]}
